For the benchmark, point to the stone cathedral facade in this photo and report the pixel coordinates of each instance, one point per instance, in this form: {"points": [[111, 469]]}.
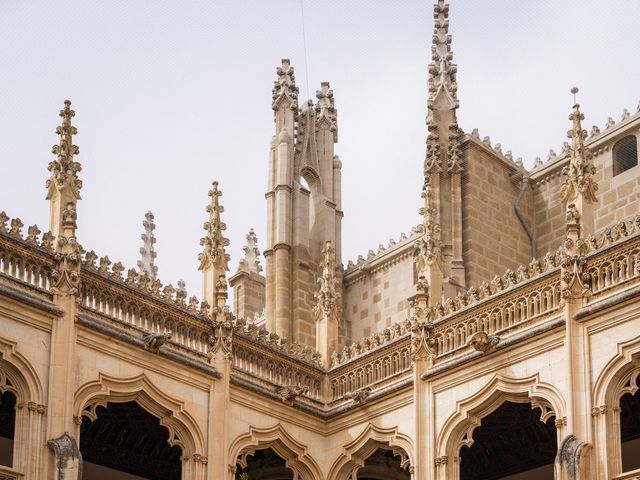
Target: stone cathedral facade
{"points": [[498, 339]]}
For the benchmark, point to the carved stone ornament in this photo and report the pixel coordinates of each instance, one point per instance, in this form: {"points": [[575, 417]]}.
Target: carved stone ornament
{"points": [[214, 242], [328, 297], [422, 341], [146, 264], [360, 396], [570, 452], [68, 457], [64, 169], [284, 90], [289, 393], [578, 175], [442, 82], [574, 281], [326, 113], [483, 342], [221, 339], [66, 274], [427, 249], [432, 162], [251, 261], [153, 341]]}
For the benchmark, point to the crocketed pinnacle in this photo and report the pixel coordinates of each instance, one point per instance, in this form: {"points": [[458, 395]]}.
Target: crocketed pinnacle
{"points": [[578, 175], [328, 298], [251, 261], [427, 249], [146, 264], [326, 109], [284, 88], [442, 73], [214, 242], [64, 169]]}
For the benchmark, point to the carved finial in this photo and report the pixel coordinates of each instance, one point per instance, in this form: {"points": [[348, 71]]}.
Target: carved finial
{"points": [[442, 73], [284, 88], [147, 263], [64, 169], [328, 297], [251, 261], [578, 175], [214, 242], [326, 112]]}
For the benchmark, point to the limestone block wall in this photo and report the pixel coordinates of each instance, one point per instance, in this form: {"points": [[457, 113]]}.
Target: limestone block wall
{"points": [[377, 296], [618, 196], [493, 238]]}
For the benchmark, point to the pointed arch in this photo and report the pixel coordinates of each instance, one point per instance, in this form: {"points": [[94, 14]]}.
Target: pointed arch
{"points": [[615, 380], [457, 430], [183, 429], [21, 372], [364, 445], [282, 443]]}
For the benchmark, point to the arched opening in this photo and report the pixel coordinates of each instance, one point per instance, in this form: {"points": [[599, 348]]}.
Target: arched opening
{"points": [[383, 465], [511, 443], [263, 464], [7, 427], [625, 154], [125, 442], [630, 426]]}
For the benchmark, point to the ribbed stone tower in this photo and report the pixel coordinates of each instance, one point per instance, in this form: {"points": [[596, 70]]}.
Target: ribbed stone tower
{"points": [[303, 205]]}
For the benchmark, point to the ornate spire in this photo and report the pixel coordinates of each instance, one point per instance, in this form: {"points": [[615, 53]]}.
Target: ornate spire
{"points": [[578, 175], [325, 109], [427, 248], [147, 263], [284, 88], [328, 297], [251, 261], [214, 242], [64, 169], [442, 73]]}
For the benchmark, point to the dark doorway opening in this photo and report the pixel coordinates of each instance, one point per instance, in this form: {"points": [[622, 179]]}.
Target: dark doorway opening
{"points": [[264, 464], [383, 465], [511, 443], [630, 428], [7, 427], [126, 442]]}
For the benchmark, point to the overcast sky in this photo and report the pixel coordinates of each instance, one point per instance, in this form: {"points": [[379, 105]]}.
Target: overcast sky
{"points": [[170, 95]]}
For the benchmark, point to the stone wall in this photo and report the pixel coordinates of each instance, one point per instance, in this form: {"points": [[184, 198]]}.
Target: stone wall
{"points": [[376, 297], [493, 237]]}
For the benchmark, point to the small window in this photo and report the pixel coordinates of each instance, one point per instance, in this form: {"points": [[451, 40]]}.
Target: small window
{"points": [[625, 154]]}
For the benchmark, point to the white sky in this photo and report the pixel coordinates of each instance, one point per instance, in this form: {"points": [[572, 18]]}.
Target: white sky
{"points": [[171, 95]]}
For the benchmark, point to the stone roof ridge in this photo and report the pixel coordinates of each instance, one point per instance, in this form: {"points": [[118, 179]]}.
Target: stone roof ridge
{"points": [[593, 134], [370, 343], [497, 149], [392, 244], [261, 335], [142, 282], [13, 228]]}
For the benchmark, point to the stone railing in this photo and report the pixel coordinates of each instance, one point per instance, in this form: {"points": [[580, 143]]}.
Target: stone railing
{"points": [[514, 309], [373, 370], [8, 473], [139, 312], [26, 261], [270, 368], [616, 261], [633, 475]]}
